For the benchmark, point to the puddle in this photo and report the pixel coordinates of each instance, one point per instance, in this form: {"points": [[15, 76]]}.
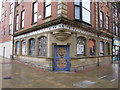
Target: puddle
{"points": [[84, 84]]}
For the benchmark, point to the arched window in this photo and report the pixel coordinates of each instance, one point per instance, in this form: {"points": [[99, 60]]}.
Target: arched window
{"points": [[23, 47], [32, 47], [101, 48], [92, 47], [42, 46], [17, 47], [107, 48], [81, 45]]}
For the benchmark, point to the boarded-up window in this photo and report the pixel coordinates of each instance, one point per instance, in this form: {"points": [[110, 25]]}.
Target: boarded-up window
{"points": [[92, 47], [42, 46], [81, 45], [101, 48], [23, 48], [32, 47], [17, 48]]}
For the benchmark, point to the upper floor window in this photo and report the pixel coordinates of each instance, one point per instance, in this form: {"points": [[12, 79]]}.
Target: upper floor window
{"points": [[101, 48], [10, 29], [17, 19], [42, 46], [35, 10], [11, 8], [81, 45], [82, 11], [4, 31], [106, 2], [107, 23], [22, 18], [101, 20], [47, 8], [117, 30]]}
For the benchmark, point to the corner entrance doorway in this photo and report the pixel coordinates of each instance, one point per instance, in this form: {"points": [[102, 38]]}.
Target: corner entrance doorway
{"points": [[61, 58]]}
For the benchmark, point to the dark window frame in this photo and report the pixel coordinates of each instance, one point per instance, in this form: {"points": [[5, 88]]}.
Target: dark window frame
{"points": [[17, 23], [81, 15], [49, 5], [102, 21], [33, 14], [107, 23], [21, 27]]}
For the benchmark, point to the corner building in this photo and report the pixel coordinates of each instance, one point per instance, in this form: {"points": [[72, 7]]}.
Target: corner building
{"points": [[62, 36]]}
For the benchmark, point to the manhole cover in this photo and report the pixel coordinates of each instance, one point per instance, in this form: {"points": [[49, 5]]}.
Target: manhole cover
{"points": [[84, 84], [7, 78]]}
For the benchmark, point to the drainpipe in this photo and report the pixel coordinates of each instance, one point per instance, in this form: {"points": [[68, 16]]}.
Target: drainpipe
{"points": [[98, 61], [14, 3]]}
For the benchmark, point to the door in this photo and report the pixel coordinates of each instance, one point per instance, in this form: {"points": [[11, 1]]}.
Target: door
{"points": [[3, 52], [61, 58]]}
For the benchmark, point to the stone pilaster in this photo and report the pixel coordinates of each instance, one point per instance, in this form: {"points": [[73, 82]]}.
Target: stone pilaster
{"points": [[20, 52], [97, 48], [62, 8], [96, 15], [27, 47], [104, 48], [87, 48], [36, 47]]}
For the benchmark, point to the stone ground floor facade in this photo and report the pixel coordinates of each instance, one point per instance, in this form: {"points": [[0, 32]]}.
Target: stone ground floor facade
{"points": [[62, 47]]}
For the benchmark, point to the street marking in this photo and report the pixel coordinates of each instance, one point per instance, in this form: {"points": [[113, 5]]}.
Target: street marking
{"points": [[103, 77], [112, 80]]}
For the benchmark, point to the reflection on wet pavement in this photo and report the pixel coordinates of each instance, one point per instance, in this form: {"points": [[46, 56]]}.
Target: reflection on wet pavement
{"points": [[24, 77]]}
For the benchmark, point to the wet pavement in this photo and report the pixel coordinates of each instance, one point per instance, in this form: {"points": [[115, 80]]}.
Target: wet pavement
{"points": [[16, 75]]}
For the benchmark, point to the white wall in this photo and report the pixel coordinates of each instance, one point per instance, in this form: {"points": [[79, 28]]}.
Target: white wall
{"points": [[8, 49]]}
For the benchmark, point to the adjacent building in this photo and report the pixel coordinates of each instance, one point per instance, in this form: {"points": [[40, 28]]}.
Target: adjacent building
{"points": [[116, 31], [6, 29]]}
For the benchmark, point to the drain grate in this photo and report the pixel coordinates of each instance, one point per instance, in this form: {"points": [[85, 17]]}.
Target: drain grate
{"points": [[84, 84], [7, 78]]}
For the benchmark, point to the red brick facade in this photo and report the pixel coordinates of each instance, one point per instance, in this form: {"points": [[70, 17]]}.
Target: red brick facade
{"points": [[27, 6], [5, 36]]}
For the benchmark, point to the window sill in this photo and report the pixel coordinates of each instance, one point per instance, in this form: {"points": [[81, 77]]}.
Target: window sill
{"points": [[77, 20], [21, 28], [33, 23], [46, 17]]}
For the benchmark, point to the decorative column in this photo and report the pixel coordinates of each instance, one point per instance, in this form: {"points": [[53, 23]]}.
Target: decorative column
{"points": [[20, 48], [87, 48], [104, 48], [62, 8], [27, 47], [96, 48]]}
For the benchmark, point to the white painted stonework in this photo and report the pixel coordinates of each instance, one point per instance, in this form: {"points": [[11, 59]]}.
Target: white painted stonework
{"points": [[55, 27], [8, 49]]}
